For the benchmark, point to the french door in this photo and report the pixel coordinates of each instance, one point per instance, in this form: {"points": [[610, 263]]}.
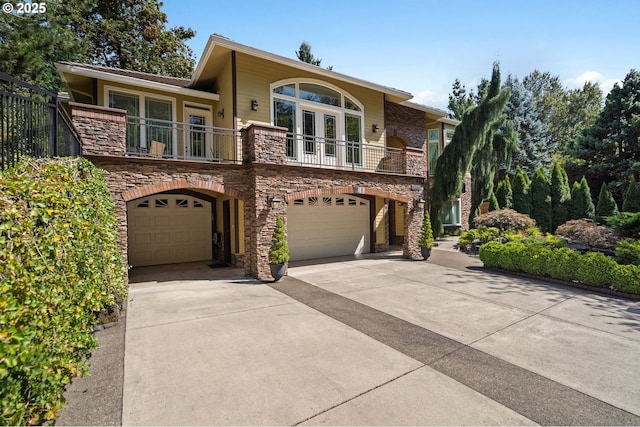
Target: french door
{"points": [[319, 142], [198, 138]]}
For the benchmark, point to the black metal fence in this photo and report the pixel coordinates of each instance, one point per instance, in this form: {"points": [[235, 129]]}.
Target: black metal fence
{"points": [[33, 123]]}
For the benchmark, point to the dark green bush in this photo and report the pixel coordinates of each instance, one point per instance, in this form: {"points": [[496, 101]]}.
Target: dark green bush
{"points": [[59, 264], [626, 223], [628, 251]]}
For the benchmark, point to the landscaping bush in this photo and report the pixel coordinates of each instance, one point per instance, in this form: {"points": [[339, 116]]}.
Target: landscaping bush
{"points": [[562, 264], [505, 219], [587, 235], [595, 269], [626, 223], [59, 265], [628, 251], [627, 279]]}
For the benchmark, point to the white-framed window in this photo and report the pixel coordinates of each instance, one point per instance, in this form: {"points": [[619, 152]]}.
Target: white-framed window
{"points": [[150, 117], [325, 123], [433, 144], [450, 213], [448, 136]]}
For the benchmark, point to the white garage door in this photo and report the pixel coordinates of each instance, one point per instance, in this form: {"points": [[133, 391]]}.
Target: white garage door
{"points": [[167, 229], [319, 227]]}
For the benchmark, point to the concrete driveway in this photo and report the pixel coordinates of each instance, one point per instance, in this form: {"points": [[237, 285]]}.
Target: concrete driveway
{"points": [[380, 341], [376, 341]]}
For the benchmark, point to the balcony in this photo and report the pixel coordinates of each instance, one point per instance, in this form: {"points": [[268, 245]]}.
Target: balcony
{"points": [[181, 141], [305, 150]]}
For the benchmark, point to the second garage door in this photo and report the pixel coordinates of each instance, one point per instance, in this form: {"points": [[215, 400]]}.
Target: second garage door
{"points": [[167, 229], [319, 227]]}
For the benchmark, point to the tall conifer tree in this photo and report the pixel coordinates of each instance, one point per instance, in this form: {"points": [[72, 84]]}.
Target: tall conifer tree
{"points": [[521, 195], [606, 206], [504, 194], [582, 205], [560, 195], [632, 197], [541, 200]]}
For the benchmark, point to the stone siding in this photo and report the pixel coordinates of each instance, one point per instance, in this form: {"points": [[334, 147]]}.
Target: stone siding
{"points": [[406, 123], [102, 130]]}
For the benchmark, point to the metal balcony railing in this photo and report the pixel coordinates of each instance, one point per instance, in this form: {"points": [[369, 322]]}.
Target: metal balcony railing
{"points": [[182, 141], [315, 151]]}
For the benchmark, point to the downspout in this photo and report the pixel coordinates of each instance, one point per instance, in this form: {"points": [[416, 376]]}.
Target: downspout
{"points": [[234, 89]]}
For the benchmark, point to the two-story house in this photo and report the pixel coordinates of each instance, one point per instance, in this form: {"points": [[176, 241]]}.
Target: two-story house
{"points": [[201, 168]]}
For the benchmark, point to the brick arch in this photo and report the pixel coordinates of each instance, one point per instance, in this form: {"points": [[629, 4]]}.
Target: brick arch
{"points": [[178, 184], [319, 192]]}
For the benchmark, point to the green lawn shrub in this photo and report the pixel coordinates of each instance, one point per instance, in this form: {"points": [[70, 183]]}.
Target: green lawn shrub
{"points": [[591, 269], [626, 223], [628, 251], [59, 265]]}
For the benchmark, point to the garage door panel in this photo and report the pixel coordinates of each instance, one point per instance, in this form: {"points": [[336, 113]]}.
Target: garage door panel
{"points": [[169, 229], [338, 226]]}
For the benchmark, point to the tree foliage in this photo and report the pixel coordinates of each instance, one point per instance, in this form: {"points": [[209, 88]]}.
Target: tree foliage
{"points": [[606, 205], [541, 200], [609, 151], [521, 194], [279, 250], [560, 196], [472, 135], [632, 197], [127, 34], [304, 54], [581, 202], [504, 193]]}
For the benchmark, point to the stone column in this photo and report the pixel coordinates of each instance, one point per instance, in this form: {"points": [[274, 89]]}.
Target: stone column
{"points": [[103, 130], [264, 144], [413, 217]]}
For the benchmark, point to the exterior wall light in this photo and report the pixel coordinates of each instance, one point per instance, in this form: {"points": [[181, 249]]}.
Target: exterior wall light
{"points": [[274, 202], [375, 128], [254, 105], [221, 113], [420, 203]]}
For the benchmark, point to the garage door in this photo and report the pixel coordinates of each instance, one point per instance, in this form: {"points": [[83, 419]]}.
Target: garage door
{"points": [[319, 227], [167, 229]]}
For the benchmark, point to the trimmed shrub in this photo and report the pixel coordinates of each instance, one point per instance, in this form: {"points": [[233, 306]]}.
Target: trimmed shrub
{"points": [[628, 251], [560, 196], [504, 194], [596, 269], [493, 202], [627, 279], [541, 210], [505, 219], [586, 234], [521, 195], [581, 203], [631, 202], [606, 206], [279, 250], [562, 264], [60, 264]]}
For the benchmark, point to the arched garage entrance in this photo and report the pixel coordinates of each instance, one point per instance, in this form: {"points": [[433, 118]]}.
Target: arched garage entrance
{"points": [[327, 226], [168, 229]]}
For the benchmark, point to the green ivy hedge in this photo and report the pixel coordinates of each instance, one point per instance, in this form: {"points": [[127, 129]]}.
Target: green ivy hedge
{"points": [[59, 265], [591, 269]]}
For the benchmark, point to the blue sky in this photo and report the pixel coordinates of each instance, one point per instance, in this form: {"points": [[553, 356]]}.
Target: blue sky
{"points": [[422, 46]]}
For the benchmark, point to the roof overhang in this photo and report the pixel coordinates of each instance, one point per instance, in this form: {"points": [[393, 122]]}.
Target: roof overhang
{"points": [[79, 70], [218, 43]]}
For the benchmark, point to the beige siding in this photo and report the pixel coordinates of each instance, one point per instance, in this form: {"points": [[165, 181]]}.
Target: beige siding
{"points": [[255, 75]]}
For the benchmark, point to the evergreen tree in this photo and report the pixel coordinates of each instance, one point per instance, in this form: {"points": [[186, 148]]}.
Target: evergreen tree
{"points": [[632, 197], [470, 136], [581, 202], [560, 196], [606, 205], [304, 54], [541, 200], [608, 151], [504, 194], [126, 34], [459, 100], [521, 195], [493, 202], [534, 147]]}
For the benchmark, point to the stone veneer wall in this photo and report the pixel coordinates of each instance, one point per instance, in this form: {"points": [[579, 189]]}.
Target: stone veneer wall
{"points": [[103, 130], [406, 123]]}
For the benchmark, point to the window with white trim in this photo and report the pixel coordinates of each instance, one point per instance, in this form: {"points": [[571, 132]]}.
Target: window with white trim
{"points": [[325, 123], [149, 118], [450, 213], [433, 144]]}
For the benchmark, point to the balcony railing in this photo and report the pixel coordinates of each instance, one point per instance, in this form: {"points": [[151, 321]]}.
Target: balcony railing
{"points": [[182, 141], [334, 154]]}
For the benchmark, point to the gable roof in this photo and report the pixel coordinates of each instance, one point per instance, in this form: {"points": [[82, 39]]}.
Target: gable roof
{"points": [[219, 43]]}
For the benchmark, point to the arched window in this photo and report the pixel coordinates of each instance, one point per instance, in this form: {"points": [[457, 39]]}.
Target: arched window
{"points": [[325, 123]]}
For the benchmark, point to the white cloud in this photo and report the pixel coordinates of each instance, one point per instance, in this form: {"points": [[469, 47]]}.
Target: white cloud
{"points": [[432, 99], [592, 76]]}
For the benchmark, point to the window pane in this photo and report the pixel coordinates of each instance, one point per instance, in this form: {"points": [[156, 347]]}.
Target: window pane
{"points": [[288, 90], [321, 94], [309, 131], [450, 212], [354, 138], [434, 135], [448, 136], [433, 157], [350, 105], [285, 116], [197, 135], [125, 101], [330, 135], [159, 130]]}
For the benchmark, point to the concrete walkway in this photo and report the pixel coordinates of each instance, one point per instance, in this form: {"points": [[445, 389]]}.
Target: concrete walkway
{"points": [[374, 341]]}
